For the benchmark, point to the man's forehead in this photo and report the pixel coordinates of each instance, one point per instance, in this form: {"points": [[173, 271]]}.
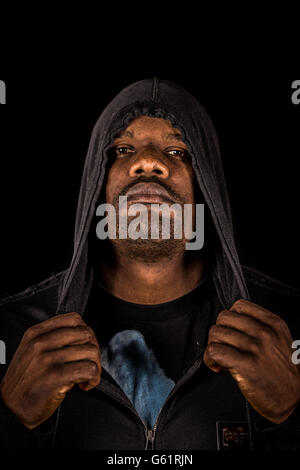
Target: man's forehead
{"points": [[144, 124]]}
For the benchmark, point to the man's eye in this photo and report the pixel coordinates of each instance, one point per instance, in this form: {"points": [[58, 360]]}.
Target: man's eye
{"points": [[122, 150], [176, 152]]}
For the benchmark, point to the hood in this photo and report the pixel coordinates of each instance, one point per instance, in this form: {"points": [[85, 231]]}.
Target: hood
{"points": [[155, 98]]}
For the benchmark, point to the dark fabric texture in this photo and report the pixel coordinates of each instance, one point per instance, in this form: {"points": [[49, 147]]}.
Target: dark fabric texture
{"points": [[144, 347], [104, 417], [165, 327]]}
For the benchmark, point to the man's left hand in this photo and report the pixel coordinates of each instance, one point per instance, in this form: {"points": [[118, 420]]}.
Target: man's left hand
{"points": [[254, 345]]}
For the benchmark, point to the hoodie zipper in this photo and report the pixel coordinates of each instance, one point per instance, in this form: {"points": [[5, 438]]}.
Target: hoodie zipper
{"points": [[146, 430], [151, 433], [149, 439]]}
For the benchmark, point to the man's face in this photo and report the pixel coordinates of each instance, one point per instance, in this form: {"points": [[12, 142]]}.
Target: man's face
{"points": [[150, 165], [150, 153]]}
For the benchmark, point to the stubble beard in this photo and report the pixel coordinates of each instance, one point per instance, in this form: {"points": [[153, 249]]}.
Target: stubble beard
{"points": [[149, 250]]}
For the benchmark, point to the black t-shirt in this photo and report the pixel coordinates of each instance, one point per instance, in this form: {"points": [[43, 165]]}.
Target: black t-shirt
{"points": [[166, 327]]}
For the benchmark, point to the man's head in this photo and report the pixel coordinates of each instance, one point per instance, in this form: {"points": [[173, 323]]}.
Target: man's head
{"points": [[150, 165], [105, 177]]}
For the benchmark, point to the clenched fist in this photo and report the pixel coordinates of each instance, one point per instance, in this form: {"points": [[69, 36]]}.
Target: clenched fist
{"points": [[52, 357], [254, 345]]}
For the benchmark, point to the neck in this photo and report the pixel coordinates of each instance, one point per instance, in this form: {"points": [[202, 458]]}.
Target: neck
{"points": [[151, 283]]}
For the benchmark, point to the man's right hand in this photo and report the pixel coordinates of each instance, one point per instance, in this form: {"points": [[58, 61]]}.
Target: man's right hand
{"points": [[52, 357]]}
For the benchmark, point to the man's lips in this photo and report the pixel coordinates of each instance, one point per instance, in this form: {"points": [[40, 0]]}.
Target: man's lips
{"points": [[148, 192]]}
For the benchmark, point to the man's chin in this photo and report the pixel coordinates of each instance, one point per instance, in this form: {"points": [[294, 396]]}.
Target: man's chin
{"points": [[149, 250]]}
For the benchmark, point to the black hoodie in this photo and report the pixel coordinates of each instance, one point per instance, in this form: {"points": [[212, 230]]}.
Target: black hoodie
{"points": [[202, 404]]}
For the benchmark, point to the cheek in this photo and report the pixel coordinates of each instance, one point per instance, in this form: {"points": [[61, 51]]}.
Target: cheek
{"points": [[110, 184], [115, 180], [184, 183]]}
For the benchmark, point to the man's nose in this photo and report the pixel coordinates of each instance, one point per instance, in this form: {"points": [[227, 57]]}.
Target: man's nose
{"points": [[149, 163]]}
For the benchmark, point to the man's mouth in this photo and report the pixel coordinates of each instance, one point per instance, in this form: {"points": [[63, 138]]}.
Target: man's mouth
{"points": [[149, 193]]}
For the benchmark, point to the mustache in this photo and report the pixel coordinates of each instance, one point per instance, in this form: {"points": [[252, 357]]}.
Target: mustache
{"points": [[152, 179]]}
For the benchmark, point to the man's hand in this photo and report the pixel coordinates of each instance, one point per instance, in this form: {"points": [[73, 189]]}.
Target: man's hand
{"points": [[52, 357], [254, 345]]}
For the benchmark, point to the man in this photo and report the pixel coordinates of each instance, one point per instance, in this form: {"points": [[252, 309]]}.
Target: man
{"points": [[142, 343]]}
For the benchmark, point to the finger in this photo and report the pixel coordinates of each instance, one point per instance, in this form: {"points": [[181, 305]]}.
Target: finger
{"points": [[224, 356], [81, 352], [71, 373], [208, 360], [243, 323], [57, 321], [61, 337], [232, 337], [256, 311]]}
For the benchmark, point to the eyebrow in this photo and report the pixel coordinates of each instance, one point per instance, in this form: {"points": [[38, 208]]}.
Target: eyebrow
{"points": [[124, 134], [175, 135]]}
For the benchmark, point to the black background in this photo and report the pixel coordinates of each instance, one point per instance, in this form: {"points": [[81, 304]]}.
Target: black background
{"points": [[52, 105], [61, 71]]}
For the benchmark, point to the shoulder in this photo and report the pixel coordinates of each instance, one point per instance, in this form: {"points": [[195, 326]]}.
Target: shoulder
{"points": [[42, 295], [259, 279], [274, 295], [20, 311]]}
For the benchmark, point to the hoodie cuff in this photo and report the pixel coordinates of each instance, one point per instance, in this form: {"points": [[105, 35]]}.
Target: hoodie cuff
{"points": [[15, 436], [285, 436]]}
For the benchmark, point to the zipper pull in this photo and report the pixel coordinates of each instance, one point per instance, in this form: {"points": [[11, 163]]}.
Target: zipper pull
{"points": [[149, 439]]}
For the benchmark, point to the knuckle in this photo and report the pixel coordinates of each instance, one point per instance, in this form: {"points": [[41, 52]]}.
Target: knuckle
{"points": [[92, 350], [92, 368], [214, 328], [267, 334], [222, 315], [43, 359], [73, 314], [31, 332], [255, 347], [277, 321], [36, 345], [89, 333], [76, 315], [95, 349], [213, 331], [82, 331], [89, 330], [211, 348], [226, 320], [75, 318], [240, 303], [285, 330]]}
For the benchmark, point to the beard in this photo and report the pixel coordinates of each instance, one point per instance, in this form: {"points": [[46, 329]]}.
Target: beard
{"points": [[149, 251], [146, 248]]}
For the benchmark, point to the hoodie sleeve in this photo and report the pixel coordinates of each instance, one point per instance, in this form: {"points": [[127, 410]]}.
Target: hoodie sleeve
{"points": [[283, 436], [15, 436]]}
